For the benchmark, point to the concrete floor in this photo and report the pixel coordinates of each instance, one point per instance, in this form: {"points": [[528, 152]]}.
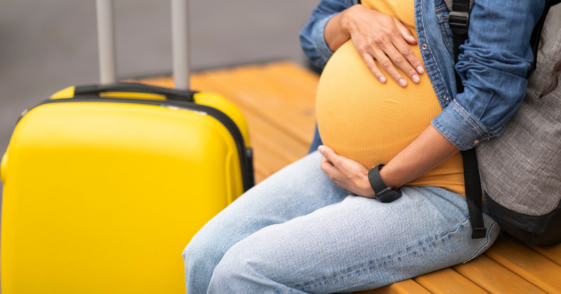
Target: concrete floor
{"points": [[48, 45]]}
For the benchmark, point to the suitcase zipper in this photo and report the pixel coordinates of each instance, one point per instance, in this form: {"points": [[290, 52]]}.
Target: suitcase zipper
{"points": [[244, 154]]}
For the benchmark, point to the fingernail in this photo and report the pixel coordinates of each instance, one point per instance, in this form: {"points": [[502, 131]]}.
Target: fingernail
{"points": [[382, 80], [402, 82], [420, 69], [411, 37], [416, 79], [321, 148]]}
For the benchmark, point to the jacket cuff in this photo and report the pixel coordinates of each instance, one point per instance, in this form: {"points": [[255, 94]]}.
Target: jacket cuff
{"points": [[459, 127], [318, 37]]}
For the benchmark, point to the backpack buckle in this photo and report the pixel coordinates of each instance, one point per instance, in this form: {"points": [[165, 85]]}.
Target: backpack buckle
{"points": [[478, 233], [459, 22]]}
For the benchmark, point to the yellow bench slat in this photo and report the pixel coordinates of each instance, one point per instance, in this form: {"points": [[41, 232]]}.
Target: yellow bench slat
{"points": [[553, 253], [295, 76], [494, 278], [527, 263], [403, 287], [448, 281]]}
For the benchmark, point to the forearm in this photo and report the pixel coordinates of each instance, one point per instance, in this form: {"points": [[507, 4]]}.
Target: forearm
{"points": [[335, 33], [425, 153], [338, 28]]}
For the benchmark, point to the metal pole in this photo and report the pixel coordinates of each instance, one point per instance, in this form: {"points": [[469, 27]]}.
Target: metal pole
{"points": [[180, 40], [106, 42]]}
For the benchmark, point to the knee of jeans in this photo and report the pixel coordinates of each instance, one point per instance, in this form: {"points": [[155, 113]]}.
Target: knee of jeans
{"points": [[231, 268], [202, 248]]}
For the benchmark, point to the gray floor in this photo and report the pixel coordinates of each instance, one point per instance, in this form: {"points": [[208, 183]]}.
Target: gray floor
{"points": [[49, 45]]}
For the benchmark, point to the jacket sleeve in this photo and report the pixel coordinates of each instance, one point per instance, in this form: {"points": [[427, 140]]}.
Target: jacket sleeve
{"points": [[312, 35], [493, 66]]}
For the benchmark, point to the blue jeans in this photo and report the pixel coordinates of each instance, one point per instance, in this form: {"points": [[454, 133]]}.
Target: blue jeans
{"points": [[297, 232]]}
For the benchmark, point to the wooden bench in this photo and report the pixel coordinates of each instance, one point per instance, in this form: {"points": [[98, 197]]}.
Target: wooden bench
{"points": [[278, 101]]}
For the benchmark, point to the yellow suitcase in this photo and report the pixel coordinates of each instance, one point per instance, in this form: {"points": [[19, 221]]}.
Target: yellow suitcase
{"points": [[105, 185]]}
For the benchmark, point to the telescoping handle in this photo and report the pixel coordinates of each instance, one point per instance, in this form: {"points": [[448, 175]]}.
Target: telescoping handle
{"points": [[180, 42], [106, 42]]}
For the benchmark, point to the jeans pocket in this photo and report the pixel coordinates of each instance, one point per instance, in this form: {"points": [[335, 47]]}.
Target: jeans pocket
{"points": [[492, 235]]}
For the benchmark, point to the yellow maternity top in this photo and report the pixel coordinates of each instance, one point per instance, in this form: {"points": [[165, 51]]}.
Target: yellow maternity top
{"points": [[370, 122]]}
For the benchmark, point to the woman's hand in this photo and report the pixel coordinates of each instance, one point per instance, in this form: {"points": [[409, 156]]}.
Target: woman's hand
{"points": [[376, 36], [346, 173]]}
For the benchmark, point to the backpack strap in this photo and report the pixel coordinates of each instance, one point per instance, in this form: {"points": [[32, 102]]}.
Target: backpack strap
{"points": [[459, 24]]}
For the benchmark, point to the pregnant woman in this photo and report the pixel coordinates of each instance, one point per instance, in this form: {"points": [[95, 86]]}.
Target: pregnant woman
{"points": [[386, 97]]}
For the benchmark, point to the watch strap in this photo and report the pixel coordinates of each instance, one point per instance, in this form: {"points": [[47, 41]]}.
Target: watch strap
{"points": [[375, 179]]}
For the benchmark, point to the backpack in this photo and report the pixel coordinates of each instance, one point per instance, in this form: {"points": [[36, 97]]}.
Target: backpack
{"points": [[518, 173]]}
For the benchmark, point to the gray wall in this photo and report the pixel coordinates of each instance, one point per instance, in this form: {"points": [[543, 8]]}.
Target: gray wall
{"points": [[48, 45]]}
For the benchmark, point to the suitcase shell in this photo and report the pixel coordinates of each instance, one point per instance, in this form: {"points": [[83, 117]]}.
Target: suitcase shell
{"points": [[102, 194]]}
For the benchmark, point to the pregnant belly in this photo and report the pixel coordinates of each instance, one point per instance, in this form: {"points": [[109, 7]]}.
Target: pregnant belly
{"points": [[365, 120], [370, 122]]}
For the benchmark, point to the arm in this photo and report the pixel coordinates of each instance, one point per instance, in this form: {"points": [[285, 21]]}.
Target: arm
{"points": [[493, 66]]}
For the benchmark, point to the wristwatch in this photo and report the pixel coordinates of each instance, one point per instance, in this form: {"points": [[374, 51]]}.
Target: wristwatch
{"points": [[383, 192]]}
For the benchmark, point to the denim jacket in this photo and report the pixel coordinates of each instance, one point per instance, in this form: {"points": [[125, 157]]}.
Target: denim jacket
{"points": [[492, 65]]}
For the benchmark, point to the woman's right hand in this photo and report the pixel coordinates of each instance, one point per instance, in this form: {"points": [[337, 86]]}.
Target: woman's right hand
{"points": [[376, 36]]}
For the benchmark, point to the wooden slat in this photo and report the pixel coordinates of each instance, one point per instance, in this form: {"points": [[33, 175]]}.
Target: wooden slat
{"points": [[448, 281], [294, 77], [403, 287], [553, 253], [494, 278], [527, 263], [297, 102]]}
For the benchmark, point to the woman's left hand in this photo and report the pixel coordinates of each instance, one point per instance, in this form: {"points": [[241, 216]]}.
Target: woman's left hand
{"points": [[346, 173]]}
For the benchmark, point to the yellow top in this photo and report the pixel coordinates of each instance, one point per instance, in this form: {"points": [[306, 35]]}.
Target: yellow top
{"points": [[370, 122]]}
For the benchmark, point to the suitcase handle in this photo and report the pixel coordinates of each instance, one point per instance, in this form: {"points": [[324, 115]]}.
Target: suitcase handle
{"points": [[171, 94], [180, 43]]}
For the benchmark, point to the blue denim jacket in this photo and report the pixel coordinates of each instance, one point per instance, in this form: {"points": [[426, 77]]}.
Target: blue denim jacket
{"points": [[492, 65]]}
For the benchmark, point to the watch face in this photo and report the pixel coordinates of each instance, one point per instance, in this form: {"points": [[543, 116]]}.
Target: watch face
{"points": [[387, 196]]}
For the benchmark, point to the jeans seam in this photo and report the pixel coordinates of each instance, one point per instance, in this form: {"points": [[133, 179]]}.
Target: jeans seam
{"points": [[337, 275]]}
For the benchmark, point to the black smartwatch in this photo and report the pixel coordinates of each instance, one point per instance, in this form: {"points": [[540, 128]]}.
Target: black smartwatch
{"points": [[383, 192]]}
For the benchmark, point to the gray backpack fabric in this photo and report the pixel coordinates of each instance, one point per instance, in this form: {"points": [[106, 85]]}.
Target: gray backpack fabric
{"points": [[521, 169]]}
